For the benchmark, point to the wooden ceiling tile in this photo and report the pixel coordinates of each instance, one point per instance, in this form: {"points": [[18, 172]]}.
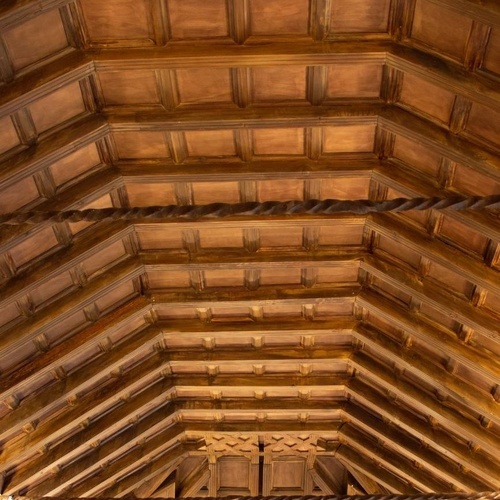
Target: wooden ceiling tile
{"points": [[210, 143], [129, 87], [191, 19], [281, 17], [397, 250], [223, 277], [35, 246], [451, 280], [462, 236], [288, 189], [76, 164], [345, 188], [117, 22], [221, 238], [208, 192], [36, 39], [278, 142], [51, 288], [417, 156], [103, 259], [281, 237], [468, 181], [351, 138], [9, 138], [428, 22], [430, 99], [354, 80], [279, 84], [484, 123], [141, 145], [151, 194], [351, 16], [159, 239], [280, 276], [204, 85], [340, 234], [57, 107], [18, 195]]}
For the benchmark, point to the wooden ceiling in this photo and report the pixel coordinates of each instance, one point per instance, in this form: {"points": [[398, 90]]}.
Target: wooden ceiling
{"points": [[256, 355]]}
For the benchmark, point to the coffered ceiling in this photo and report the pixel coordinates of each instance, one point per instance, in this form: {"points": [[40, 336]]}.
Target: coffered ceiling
{"points": [[250, 355]]}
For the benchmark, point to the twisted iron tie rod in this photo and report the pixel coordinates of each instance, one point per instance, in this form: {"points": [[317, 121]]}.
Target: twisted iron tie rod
{"points": [[267, 208]]}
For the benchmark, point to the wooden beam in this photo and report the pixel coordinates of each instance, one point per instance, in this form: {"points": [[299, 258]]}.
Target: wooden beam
{"points": [[123, 120], [364, 484], [354, 460], [424, 403], [399, 466], [460, 390], [474, 359], [438, 297], [195, 481], [149, 486], [435, 437], [412, 450]]}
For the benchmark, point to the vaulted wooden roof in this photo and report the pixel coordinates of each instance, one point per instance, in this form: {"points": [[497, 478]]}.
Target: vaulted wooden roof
{"points": [[253, 355]]}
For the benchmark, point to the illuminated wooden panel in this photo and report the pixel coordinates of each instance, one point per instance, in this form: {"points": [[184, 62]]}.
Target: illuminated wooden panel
{"points": [[36, 39], [484, 122], [57, 107], [204, 85], [428, 23], [341, 234], [284, 83], [461, 236], [417, 156], [171, 279], [31, 248], [271, 141], [104, 258], [144, 194], [370, 16], [398, 251], [118, 20], [279, 276], [281, 237], [221, 238], [280, 17], [345, 188], [51, 288], [467, 181], [222, 277], [354, 80], [141, 145], [210, 143], [432, 100], [19, 194], [75, 164], [216, 192], [198, 19], [158, 239], [352, 138], [129, 87], [451, 280], [288, 189]]}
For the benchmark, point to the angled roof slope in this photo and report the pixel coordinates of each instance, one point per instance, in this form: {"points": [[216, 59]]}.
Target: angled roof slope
{"points": [[249, 355]]}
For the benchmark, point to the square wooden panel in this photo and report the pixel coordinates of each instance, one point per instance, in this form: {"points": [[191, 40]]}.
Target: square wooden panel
{"points": [[215, 192], [280, 190], [75, 164], [468, 181], [430, 99], [462, 236], [440, 28], [129, 87], [279, 17], [234, 472], [204, 85], [484, 123], [19, 194], [281, 236], [491, 60], [221, 238], [31, 248], [341, 234], [288, 474], [119, 21], [198, 19], [348, 139], [57, 107], [210, 143], [278, 141], [280, 83], [8, 137], [141, 144], [35, 39], [419, 157], [369, 16], [354, 80], [345, 188], [151, 194]]}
